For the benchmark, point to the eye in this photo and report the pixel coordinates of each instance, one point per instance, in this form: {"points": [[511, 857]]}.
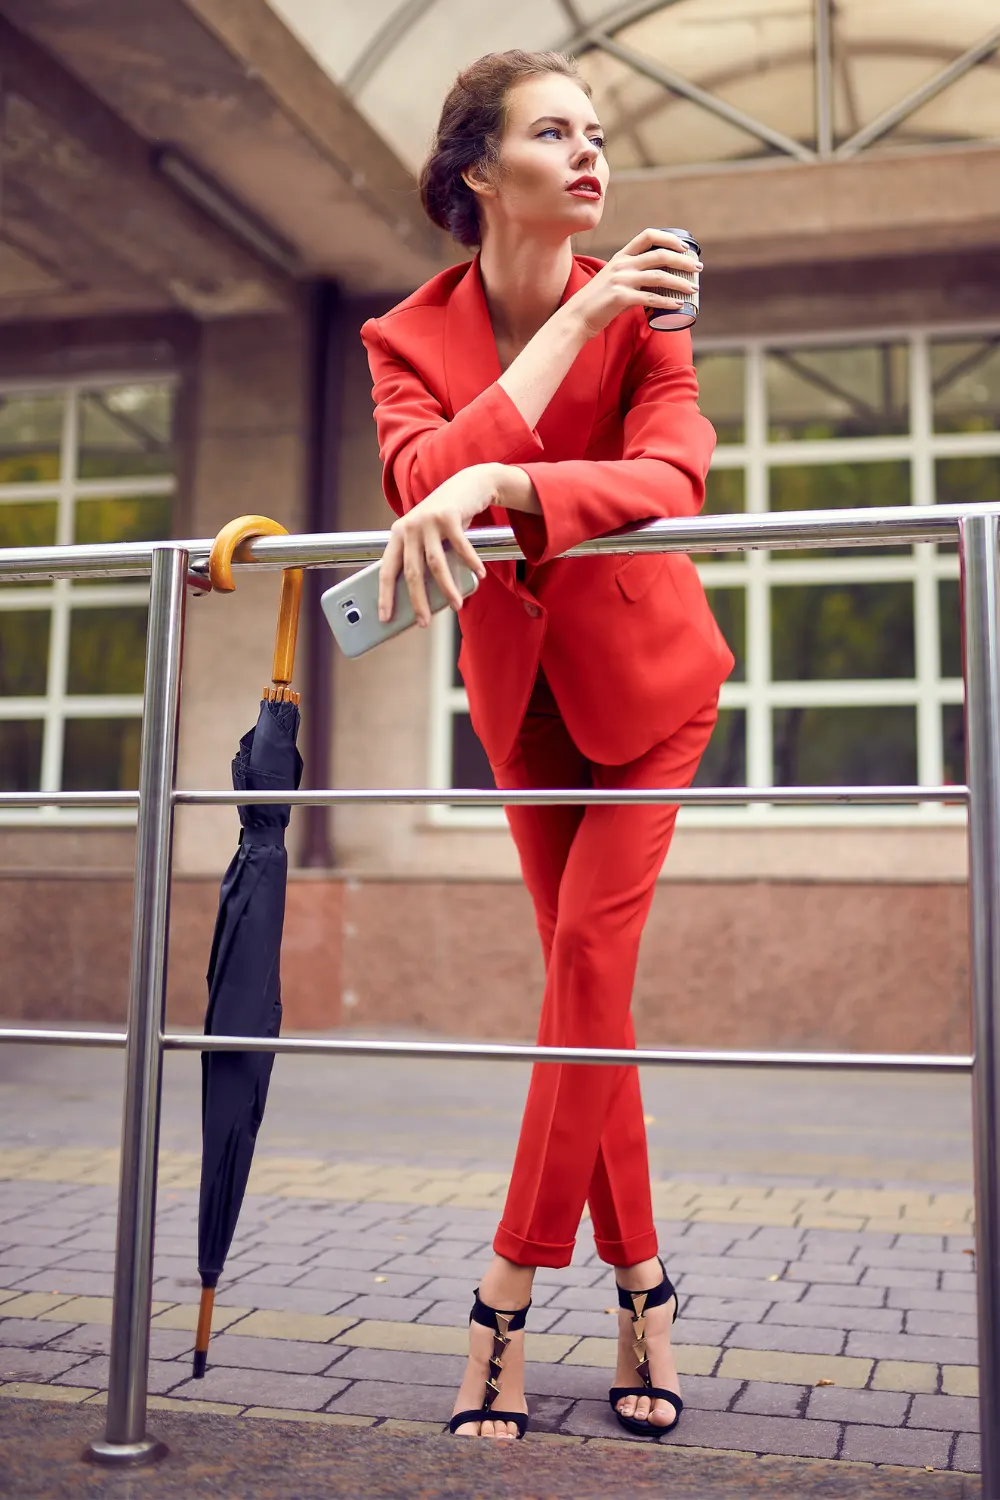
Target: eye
{"points": [[549, 130], [598, 141]]}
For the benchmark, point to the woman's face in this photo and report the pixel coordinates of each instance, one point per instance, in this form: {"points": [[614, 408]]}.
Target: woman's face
{"points": [[552, 140]]}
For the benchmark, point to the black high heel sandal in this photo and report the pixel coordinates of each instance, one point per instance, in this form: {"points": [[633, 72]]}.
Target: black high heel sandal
{"points": [[502, 1324], [638, 1304]]}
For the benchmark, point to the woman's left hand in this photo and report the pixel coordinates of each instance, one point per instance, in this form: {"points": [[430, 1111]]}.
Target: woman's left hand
{"points": [[416, 540]]}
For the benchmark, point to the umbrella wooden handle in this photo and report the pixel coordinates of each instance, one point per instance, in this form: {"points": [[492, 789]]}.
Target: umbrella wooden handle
{"points": [[220, 567]]}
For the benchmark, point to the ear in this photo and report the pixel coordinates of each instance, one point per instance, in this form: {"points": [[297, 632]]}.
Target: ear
{"points": [[477, 181]]}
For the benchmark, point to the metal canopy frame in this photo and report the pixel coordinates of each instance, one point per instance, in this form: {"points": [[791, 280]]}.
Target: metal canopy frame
{"points": [[176, 567]]}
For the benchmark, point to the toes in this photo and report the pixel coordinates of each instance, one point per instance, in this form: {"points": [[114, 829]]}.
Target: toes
{"points": [[468, 1429], [512, 1430], [642, 1409], [487, 1429], [663, 1414], [627, 1406]]}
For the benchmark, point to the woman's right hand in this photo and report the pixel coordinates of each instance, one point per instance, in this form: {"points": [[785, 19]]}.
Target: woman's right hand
{"points": [[652, 270]]}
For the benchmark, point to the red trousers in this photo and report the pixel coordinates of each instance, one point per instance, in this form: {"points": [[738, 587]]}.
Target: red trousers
{"points": [[591, 872]]}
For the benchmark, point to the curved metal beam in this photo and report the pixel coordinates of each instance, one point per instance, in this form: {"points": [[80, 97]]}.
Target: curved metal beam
{"points": [[402, 20]]}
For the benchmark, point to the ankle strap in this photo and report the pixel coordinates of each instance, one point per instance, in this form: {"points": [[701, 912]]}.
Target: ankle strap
{"points": [[654, 1297], [487, 1316]]}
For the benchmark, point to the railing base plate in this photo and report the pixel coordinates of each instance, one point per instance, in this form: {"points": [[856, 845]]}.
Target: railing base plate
{"points": [[125, 1455]]}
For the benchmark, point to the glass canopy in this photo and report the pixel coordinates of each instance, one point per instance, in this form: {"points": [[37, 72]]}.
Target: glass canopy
{"points": [[687, 82]]}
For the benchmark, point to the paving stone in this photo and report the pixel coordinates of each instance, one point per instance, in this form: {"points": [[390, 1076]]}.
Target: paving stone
{"points": [[591, 1324], [766, 1399], [35, 1364], [285, 1299], [16, 1260], [690, 1359], [258, 1275], [262, 1388], [95, 1338], [816, 1315], [404, 1367], [925, 1281], [759, 1434], [770, 1239], [293, 1356], [827, 1272], [905, 1375], [572, 1382], [783, 1336], [910, 1446], [696, 1331], [585, 1298], [83, 1283], [405, 1309], [393, 1243], [909, 1346], [373, 1259], [920, 1242], [955, 1281], [845, 1296], [757, 1268], [708, 1392], [31, 1232], [960, 1380], [910, 1260], [883, 1408], [794, 1369], [951, 1413], [334, 1279], [948, 1324], [309, 1327], [164, 1375], [693, 1285], [370, 1398], [942, 1302], [28, 1333], [966, 1455], [725, 1309], [558, 1277], [177, 1289]]}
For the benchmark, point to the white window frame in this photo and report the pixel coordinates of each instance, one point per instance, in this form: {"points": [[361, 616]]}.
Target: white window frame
{"points": [[59, 598], [757, 571]]}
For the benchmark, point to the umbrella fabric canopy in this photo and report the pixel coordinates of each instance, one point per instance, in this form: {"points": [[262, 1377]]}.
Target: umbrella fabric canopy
{"points": [[244, 992]]}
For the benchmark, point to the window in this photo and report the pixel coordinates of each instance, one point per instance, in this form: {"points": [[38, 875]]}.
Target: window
{"points": [[848, 659], [88, 462]]}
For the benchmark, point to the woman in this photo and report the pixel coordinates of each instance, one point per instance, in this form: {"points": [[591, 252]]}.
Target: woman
{"points": [[525, 388]]}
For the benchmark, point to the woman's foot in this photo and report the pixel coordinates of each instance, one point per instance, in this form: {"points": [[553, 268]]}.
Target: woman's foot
{"points": [[662, 1369], [508, 1287]]}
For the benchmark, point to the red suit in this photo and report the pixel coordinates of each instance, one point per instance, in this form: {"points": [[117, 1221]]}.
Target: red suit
{"points": [[599, 671]]}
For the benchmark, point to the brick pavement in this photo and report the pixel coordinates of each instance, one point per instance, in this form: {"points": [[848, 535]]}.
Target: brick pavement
{"points": [[818, 1321]]}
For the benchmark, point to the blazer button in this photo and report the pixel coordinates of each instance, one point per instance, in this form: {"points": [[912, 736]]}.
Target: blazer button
{"points": [[531, 609]]}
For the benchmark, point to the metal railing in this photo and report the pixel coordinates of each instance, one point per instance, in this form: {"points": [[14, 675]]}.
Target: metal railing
{"points": [[176, 566]]}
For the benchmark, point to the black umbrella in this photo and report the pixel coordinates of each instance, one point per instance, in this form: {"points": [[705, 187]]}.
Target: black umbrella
{"points": [[244, 986]]}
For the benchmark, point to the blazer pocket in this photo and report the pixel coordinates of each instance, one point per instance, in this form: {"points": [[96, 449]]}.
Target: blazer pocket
{"points": [[637, 573]]}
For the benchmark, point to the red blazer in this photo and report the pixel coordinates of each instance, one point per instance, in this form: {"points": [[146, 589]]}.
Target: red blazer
{"points": [[628, 644]]}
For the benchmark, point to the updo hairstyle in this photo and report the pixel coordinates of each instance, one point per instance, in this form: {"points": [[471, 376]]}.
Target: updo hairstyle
{"points": [[471, 127]]}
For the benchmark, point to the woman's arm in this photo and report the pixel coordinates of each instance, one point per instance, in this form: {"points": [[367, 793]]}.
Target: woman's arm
{"points": [[421, 447]]}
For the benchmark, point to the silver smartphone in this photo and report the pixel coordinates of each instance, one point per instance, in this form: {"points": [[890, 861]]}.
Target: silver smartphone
{"points": [[351, 606]]}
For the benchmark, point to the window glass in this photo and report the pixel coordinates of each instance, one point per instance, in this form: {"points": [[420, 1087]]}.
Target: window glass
{"points": [[469, 766], [24, 652], [721, 380], [124, 431], [953, 743], [724, 762], [966, 481], [965, 385], [725, 495], [107, 650], [844, 486], [134, 518], [101, 755], [840, 391], [834, 631], [729, 606], [30, 438], [29, 523], [950, 627], [20, 754], [855, 746]]}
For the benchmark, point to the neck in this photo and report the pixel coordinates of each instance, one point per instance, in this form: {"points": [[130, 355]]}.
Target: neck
{"points": [[524, 280]]}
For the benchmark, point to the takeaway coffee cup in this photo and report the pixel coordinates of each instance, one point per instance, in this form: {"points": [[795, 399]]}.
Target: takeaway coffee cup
{"points": [[669, 319]]}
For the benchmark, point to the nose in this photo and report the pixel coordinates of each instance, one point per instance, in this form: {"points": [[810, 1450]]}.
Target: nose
{"points": [[586, 154]]}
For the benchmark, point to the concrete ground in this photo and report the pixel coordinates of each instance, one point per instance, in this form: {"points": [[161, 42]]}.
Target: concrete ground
{"points": [[818, 1227]]}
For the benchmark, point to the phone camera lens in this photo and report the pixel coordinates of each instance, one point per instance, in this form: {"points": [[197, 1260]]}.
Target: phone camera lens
{"points": [[353, 616]]}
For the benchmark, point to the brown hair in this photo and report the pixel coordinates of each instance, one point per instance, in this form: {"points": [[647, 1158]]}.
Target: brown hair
{"points": [[470, 130]]}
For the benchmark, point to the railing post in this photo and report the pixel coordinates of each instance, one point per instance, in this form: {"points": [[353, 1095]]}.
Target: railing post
{"points": [[126, 1440], [978, 545]]}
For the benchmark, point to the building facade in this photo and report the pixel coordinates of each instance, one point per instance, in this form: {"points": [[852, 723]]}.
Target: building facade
{"points": [[188, 248]]}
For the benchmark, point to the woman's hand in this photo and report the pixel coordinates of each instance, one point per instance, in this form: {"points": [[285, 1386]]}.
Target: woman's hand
{"points": [[416, 540], [652, 270]]}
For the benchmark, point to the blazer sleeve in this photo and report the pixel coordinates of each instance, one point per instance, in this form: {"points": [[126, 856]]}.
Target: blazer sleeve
{"points": [[420, 447], [667, 451]]}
